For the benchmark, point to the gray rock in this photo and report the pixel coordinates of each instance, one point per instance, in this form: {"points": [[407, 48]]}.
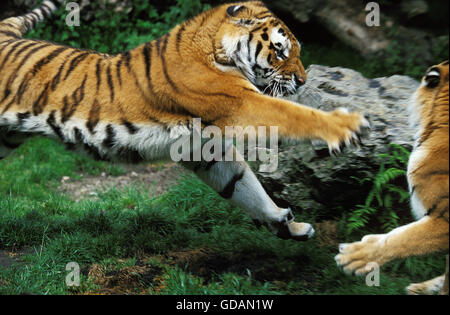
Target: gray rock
{"points": [[309, 179]]}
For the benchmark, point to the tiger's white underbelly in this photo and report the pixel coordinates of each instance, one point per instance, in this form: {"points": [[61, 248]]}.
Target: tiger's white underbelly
{"points": [[108, 140]]}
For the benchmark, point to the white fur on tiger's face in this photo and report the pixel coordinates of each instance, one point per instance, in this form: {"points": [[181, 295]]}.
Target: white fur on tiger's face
{"points": [[263, 48]]}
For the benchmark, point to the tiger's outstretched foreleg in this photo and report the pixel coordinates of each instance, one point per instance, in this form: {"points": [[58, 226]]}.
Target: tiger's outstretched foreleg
{"points": [[235, 181], [247, 108]]}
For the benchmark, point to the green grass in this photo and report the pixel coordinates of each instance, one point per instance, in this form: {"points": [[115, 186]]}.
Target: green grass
{"points": [[241, 259]]}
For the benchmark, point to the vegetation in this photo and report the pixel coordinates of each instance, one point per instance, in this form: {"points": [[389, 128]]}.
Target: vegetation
{"points": [[111, 32], [388, 196], [126, 229]]}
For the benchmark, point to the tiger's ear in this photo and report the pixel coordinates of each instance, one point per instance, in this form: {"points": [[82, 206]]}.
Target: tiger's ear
{"points": [[234, 10]]}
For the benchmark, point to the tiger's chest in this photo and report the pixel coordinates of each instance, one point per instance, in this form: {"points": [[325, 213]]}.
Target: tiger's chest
{"points": [[416, 158]]}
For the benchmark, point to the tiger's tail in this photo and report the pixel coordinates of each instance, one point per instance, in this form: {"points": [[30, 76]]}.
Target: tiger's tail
{"points": [[19, 26]]}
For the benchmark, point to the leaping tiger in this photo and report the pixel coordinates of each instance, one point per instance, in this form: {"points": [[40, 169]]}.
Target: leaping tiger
{"points": [[226, 66]]}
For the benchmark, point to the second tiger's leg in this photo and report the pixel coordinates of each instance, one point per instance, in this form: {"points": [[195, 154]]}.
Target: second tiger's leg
{"points": [[235, 181], [429, 287]]}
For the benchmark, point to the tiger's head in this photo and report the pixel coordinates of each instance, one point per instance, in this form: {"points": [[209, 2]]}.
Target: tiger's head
{"points": [[253, 40], [430, 103]]}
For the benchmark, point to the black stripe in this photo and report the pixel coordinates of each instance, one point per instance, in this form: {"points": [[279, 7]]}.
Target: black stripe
{"points": [[48, 11], [5, 43], [21, 50], [437, 173], [90, 149], [258, 28], [94, 116], [8, 106], [13, 48], [148, 64], [51, 121], [16, 71], [436, 205], [30, 53], [127, 58], [27, 23], [132, 129], [118, 67], [79, 138], [264, 13], [250, 38], [78, 94], [21, 117], [258, 50], [228, 191], [147, 59], [265, 16], [8, 25], [22, 88], [36, 68], [158, 45], [110, 82], [179, 37], [70, 107], [164, 65], [65, 108], [98, 73], [429, 130], [35, 17], [46, 60], [42, 101], [75, 62], [110, 135], [8, 33], [57, 78]]}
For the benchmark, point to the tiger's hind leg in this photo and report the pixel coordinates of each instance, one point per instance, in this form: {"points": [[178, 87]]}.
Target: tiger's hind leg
{"points": [[10, 141], [235, 181]]}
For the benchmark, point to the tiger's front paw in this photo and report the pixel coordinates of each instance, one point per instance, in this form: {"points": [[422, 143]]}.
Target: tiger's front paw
{"points": [[358, 258], [344, 129]]}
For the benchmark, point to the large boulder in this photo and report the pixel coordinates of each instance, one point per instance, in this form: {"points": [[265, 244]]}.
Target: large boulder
{"points": [[308, 178]]}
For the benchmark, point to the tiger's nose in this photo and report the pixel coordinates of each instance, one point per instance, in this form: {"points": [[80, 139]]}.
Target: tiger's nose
{"points": [[299, 80]]}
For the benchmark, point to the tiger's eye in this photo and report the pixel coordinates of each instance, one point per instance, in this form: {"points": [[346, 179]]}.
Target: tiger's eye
{"points": [[433, 78]]}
